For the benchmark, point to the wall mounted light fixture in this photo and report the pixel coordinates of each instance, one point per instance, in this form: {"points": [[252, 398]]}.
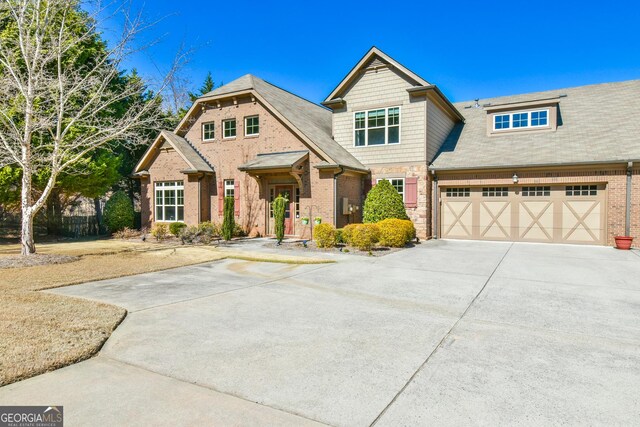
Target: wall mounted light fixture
{"points": [[515, 178]]}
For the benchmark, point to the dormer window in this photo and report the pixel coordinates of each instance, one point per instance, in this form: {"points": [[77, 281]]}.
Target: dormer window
{"points": [[521, 120]]}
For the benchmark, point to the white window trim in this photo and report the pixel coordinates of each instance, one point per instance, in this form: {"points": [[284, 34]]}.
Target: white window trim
{"points": [[214, 131], [529, 125], [223, 129], [246, 127], [228, 186], [404, 188], [386, 126], [175, 187]]}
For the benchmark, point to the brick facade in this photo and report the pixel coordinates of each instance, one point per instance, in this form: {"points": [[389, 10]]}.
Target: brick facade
{"points": [[226, 154], [421, 214]]}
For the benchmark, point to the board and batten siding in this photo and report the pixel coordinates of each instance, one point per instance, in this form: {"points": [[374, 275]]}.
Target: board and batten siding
{"points": [[439, 126], [383, 88]]}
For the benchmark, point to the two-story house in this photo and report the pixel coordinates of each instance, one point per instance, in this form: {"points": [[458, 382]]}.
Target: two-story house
{"points": [[558, 166]]}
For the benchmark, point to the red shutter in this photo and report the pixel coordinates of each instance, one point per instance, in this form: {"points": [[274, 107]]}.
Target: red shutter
{"points": [[411, 192], [220, 197], [236, 195]]}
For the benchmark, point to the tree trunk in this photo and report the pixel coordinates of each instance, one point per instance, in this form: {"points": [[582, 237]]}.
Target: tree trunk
{"points": [[28, 246], [98, 207]]}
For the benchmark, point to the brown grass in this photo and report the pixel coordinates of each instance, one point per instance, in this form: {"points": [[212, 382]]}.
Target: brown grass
{"points": [[40, 332]]}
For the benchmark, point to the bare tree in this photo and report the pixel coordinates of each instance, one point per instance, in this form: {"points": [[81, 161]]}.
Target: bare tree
{"points": [[53, 112]]}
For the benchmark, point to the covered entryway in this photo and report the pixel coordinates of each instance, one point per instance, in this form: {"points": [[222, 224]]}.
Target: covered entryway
{"points": [[573, 213]]}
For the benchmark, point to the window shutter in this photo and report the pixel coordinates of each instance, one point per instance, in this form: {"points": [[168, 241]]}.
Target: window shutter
{"points": [[236, 195], [220, 197], [411, 192]]}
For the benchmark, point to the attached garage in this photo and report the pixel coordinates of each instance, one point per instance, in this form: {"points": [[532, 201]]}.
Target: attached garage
{"points": [[572, 213]]}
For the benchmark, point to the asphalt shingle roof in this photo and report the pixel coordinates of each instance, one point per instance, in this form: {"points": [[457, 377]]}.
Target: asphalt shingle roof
{"points": [[311, 119], [599, 123], [193, 158], [274, 160]]}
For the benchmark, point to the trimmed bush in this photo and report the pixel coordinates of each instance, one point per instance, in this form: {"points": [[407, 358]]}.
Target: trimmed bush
{"points": [[365, 236], [228, 222], [118, 212], [324, 235], [382, 202], [347, 233], [160, 231], [396, 232], [339, 236], [175, 227], [279, 208], [204, 233]]}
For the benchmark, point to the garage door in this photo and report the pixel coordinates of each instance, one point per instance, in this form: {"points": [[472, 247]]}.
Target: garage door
{"points": [[554, 214]]}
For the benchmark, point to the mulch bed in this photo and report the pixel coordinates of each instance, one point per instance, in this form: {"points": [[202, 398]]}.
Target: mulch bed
{"points": [[18, 261], [298, 246]]}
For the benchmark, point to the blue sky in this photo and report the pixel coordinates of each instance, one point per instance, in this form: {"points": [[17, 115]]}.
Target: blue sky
{"points": [[474, 49]]}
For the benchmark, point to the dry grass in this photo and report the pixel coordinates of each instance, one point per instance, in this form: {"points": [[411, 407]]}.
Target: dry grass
{"points": [[40, 332]]}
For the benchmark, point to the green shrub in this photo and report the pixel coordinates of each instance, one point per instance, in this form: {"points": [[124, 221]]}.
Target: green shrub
{"points": [[160, 231], [339, 236], [118, 212], [365, 236], [279, 208], [382, 202], [396, 232], [175, 227], [228, 221], [347, 233], [324, 235]]}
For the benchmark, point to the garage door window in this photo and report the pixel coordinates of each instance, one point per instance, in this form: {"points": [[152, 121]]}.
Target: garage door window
{"points": [[495, 191], [536, 191], [582, 190], [458, 192]]}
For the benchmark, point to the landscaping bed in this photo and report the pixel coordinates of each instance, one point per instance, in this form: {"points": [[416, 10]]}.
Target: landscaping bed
{"points": [[340, 248]]}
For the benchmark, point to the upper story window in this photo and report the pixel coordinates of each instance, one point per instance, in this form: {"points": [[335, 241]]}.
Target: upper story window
{"points": [[208, 131], [376, 127], [397, 183], [229, 188], [251, 126], [521, 120], [229, 128]]}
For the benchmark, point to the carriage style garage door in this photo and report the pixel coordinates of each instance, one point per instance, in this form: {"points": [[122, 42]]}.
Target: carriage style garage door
{"points": [[558, 214]]}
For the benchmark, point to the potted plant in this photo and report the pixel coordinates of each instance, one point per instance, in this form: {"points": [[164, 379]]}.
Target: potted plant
{"points": [[317, 220], [623, 242], [304, 220]]}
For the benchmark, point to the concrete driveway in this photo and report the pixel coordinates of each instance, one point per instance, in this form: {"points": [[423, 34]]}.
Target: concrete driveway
{"points": [[449, 332]]}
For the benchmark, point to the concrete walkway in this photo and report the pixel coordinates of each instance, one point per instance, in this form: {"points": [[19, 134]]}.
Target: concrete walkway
{"points": [[447, 333]]}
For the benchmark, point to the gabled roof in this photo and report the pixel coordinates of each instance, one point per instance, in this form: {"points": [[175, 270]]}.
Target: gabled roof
{"points": [[274, 160], [195, 162], [596, 124], [372, 55], [311, 121]]}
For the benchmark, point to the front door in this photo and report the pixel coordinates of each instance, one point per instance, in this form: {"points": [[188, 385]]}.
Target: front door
{"points": [[286, 191]]}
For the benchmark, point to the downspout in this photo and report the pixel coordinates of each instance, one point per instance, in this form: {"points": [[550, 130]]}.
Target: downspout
{"points": [[436, 207], [627, 222], [200, 176], [335, 196]]}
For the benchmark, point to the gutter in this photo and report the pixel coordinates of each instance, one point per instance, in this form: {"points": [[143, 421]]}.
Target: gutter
{"points": [[335, 196], [534, 165]]}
